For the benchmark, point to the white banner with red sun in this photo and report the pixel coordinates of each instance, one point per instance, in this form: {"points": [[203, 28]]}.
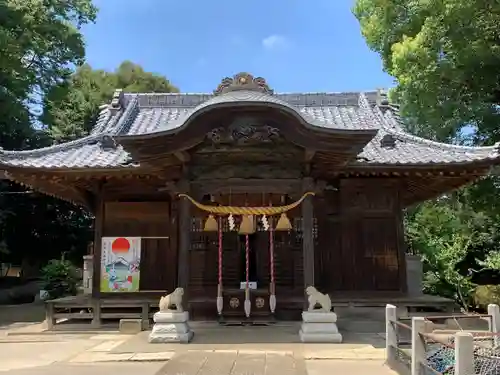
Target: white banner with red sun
{"points": [[120, 264]]}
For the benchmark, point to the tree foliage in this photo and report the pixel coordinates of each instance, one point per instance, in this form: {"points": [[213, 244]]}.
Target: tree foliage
{"points": [[452, 237], [445, 56], [39, 42], [72, 107]]}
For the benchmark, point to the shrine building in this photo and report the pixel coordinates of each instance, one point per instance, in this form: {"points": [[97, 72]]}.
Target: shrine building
{"points": [[247, 194]]}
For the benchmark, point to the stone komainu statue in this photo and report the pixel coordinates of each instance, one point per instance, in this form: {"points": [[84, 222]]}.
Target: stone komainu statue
{"points": [[317, 298], [172, 299]]}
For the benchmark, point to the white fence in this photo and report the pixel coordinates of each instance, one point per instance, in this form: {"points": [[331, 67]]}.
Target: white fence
{"points": [[451, 353]]}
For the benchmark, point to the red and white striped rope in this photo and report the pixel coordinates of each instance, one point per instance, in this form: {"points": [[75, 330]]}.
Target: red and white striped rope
{"points": [[247, 261], [220, 252]]}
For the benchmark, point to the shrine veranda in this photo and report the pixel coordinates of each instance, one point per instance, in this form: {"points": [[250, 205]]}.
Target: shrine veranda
{"points": [[247, 148]]}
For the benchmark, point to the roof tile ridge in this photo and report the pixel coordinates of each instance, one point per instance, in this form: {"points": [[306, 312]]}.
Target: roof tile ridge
{"points": [[354, 92], [385, 123], [365, 106], [54, 148], [127, 116], [272, 98], [390, 119], [401, 134], [93, 136], [169, 93], [103, 119]]}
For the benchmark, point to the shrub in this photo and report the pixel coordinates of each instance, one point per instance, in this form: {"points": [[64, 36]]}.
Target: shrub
{"points": [[486, 294], [60, 278]]}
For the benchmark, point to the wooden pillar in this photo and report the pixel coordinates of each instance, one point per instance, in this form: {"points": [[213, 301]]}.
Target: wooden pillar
{"points": [[184, 238], [98, 234], [307, 234]]}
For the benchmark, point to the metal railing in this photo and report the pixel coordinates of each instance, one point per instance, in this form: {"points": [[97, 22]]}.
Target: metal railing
{"points": [[417, 348]]}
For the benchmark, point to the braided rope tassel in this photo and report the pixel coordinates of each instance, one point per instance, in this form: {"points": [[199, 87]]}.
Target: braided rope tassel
{"points": [[235, 210]]}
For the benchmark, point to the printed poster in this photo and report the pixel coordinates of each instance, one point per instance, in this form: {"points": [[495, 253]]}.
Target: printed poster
{"points": [[120, 264]]}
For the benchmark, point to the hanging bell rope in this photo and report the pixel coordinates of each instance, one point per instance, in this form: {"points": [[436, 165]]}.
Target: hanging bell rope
{"points": [[210, 224], [235, 210], [283, 223], [247, 225], [220, 302]]}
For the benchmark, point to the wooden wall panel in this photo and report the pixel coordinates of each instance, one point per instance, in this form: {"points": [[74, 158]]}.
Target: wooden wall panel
{"points": [[360, 244], [158, 255]]}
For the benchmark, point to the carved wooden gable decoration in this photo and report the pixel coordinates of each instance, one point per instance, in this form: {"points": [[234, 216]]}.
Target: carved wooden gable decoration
{"points": [[243, 81], [244, 131]]}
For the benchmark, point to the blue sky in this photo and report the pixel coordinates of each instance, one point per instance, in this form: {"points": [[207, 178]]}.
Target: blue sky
{"points": [[297, 46]]}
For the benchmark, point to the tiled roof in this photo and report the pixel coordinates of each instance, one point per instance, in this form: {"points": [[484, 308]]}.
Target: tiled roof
{"points": [[151, 113], [407, 149]]}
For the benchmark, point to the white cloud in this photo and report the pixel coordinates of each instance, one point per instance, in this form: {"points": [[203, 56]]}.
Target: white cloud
{"points": [[275, 42]]}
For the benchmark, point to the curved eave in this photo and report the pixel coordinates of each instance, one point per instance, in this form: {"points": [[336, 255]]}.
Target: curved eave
{"points": [[88, 153], [239, 99], [62, 170], [297, 128], [54, 189], [481, 164], [420, 190]]}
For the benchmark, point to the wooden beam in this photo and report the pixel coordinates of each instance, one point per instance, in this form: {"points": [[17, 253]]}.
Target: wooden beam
{"points": [[183, 156], [98, 234], [307, 235], [241, 185], [309, 155], [184, 238]]}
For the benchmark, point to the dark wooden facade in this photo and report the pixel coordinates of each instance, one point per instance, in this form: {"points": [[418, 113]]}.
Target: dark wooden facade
{"points": [[347, 239], [356, 234]]}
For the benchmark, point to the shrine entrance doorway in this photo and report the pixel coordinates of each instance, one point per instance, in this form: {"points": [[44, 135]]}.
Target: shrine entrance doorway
{"points": [[241, 269], [258, 266]]}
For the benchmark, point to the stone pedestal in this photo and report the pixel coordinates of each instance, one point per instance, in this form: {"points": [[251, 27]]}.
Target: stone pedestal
{"points": [[414, 275], [171, 326], [88, 269], [319, 326]]}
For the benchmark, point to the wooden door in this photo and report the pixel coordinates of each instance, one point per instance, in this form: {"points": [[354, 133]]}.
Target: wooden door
{"points": [[151, 221]]}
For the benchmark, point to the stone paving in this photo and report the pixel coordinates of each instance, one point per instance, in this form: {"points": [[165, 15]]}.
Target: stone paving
{"points": [[117, 368], [234, 363], [348, 367], [26, 349]]}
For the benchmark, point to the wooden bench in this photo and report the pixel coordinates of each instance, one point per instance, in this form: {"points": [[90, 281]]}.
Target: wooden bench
{"points": [[96, 310]]}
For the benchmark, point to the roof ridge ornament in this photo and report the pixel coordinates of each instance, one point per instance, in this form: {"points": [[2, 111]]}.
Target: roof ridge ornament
{"points": [[117, 101], [388, 141], [108, 143], [243, 81], [383, 98]]}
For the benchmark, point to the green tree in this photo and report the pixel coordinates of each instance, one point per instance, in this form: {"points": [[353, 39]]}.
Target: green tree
{"points": [[445, 56], [72, 107], [39, 42], [443, 232]]}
